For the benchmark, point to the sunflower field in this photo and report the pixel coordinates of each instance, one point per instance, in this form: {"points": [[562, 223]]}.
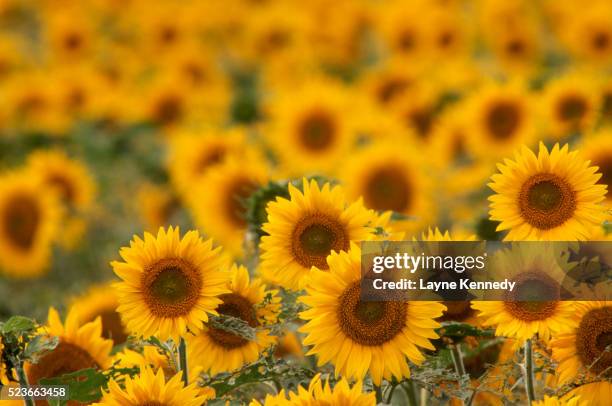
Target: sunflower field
{"points": [[184, 187]]}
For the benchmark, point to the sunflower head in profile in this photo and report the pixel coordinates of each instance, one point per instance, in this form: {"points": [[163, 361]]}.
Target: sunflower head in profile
{"points": [[223, 214], [358, 336], [80, 346], [551, 196], [535, 304], [217, 350], [152, 388], [169, 284], [29, 224], [304, 229], [582, 352], [596, 147], [322, 393]]}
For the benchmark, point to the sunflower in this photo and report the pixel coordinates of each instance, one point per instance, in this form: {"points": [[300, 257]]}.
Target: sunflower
{"points": [[501, 120], [588, 33], [151, 388], [534, 270], [3, 370], [389, 175], [217, 350], [218, 202], [321, 393], [169, 284], [391, 82], [403, 31], [101, 301], [555, 401], [69, 34], [552, 196], [358, 336], [168, 102], [581, 351], [80, 346], [597, 149], [312, 128], [156, 205], [571, 104], [304, 229], [29, 223]]}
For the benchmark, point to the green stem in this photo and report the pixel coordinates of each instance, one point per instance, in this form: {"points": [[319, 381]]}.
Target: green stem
{"points": [[23, 382], [458, 364], [182, 349], [528, 370], [379, 395], [411, 392]]}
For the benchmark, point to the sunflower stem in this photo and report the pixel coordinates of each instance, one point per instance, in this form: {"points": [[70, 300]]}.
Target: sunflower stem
{"points": [[528, 371], [379, 394], [23, 382], [182, 350], [411, 392], [458, 364]]}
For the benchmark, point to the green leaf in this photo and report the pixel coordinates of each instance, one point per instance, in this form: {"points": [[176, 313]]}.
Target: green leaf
{"points": [[461, 330], [18, 325], [83, 386], [39, 346]]}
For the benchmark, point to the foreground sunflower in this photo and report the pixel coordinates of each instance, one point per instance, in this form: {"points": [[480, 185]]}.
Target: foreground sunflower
{"points": [[358, 336], [551, 196], [151, 388], [534, 270], [581, 352], [169, 284], [29, 223], [217, 350], [304, 229], [80, 346], [319, 393]]}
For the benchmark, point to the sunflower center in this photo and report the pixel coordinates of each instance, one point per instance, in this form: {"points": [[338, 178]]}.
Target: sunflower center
{"points": [[236, 306], [593, 336], [63, 185], [503, 120], [572, 108], [391, 89], [211, 157], [388, 189], [168, 34], [369, 323], [406, 40], [112, 327], [64, 359], [168, 110], [317, 131], [421, 120], [601, 41], [237, 194], [457, 311], [546, 201], [525, 302], [171, 287], [21, 221], [315, 237], [73, 41], [515, 47]]}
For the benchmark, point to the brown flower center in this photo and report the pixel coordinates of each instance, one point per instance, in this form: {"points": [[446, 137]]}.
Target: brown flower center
{"points": [[21, 220], [525, 301], [369, 323], [572, 108], [237, 193], [64, 359], [391, 89], [63, 185], [317, 131], [171, 287], [593, 336], [601, 41], [503, 119], [168, 109], [210, 157], [421, 120], [406, 41], [73, 41], [236, 306], [112, 327], [315, 236], [457, 311], [515, 47], [388, 189], [546, 201]]}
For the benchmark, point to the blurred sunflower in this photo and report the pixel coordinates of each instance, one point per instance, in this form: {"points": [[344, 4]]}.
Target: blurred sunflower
{"points": [[150, 356], [222, 214], [101, 301], [217, 350], [551, 196], [571, 104], [359, 336], [151, 388], [582, 350], [588, 34], [29, 223], [304, 229], [11, 56], [321, 393], [80, 346], [390, 82], [537, 272], [3, 370], [419, 112], [555, 401], [69, 33], [447, 32], [155, 204], [169, 284], [168, 102], [162, 28], [402, 28], [597, 149]]}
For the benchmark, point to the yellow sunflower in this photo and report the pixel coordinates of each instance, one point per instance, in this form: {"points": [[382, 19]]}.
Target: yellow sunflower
{"points": [[358, 336], [304, 229], [391, 82], [3, 371], [581, 352], [597, 148], [389, 175], [403, 31], [218, 201], [29, 223], [69, 34], [321, 393], [551, 196], [217, 350], [156, 205], [555, 401], [151, 388], [169, 284], [588, 33], [571, 104], [80, 346], [534, 270], [101, 301]]}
